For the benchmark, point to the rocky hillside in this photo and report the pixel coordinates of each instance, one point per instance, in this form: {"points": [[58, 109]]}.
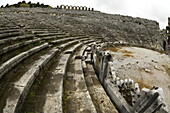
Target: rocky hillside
{"points": [[110, 27]]}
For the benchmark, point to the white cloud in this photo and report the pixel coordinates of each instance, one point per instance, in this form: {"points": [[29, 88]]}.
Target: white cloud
{"points": [[158, 10]]}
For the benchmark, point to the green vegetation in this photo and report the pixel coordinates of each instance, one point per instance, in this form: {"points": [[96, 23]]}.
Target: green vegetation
{"points": [[27, 5]]}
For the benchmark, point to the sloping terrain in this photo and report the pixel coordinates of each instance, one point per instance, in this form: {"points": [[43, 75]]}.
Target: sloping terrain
{"points": [[110, 27]]}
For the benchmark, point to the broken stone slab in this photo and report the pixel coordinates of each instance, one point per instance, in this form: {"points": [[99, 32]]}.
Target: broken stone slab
{"points": [[117, 98], [145, 105], [8, 65], [24, 83]]}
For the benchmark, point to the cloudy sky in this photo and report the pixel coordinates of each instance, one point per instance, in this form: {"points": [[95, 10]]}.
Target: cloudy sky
{"points": [[158, 10]]}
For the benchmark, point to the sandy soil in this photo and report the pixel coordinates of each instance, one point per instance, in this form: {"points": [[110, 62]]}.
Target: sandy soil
{"points": [[148, 68]]}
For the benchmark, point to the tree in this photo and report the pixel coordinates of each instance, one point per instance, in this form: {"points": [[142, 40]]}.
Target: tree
{"points": [[7, 5], [29, 2], [2, 6], [38, 4], [42, 5], [23, 2]]}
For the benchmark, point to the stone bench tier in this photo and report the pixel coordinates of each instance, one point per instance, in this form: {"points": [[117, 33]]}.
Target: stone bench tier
{"points": [[8, 65], [4, 41], [24, 83], [6, 35], [18, 45], [9, 31]]}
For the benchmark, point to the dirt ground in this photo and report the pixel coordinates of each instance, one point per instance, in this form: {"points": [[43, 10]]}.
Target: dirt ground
{"points": [[148, 68]]}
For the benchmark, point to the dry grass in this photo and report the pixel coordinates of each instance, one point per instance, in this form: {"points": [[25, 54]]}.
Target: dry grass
{"points": [[125, 51], [115, 49], [143, 84], [127, 55]]}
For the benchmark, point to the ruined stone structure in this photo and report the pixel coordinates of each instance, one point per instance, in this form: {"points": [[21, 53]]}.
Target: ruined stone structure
{"points": [[166, 40], [48, 62], [81, 8], [129, 99]]}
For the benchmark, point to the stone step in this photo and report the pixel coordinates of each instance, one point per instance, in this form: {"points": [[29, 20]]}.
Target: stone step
{"points": [[18, 45], [102, 102], [8, 27], [41, 31], [17, 38], [77, 98], [48, 86], [7, 35], [9, 31], [49, 34], [66, 39], [53, 101], [15, 99], [8, 65], [55, 37]]}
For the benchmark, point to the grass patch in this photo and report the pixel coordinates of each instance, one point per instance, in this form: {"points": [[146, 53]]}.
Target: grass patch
{"points": [[115, 49], [125, 51], [143, 84]]}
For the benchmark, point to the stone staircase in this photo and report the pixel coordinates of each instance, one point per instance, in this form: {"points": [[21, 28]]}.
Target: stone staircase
{"points": [[41, 70]]}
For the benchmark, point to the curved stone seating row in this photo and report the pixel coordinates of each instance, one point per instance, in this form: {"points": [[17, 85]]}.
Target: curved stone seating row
{"points": [[49, 34], [55, 37], [65, 39], [18, 45], [8, 65], [4, 41], [8, 27], [72, 42], [40, 31], [24, 83], [82, 8], [77, 92], [6, 35], [9, 31], [53, 102]]}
